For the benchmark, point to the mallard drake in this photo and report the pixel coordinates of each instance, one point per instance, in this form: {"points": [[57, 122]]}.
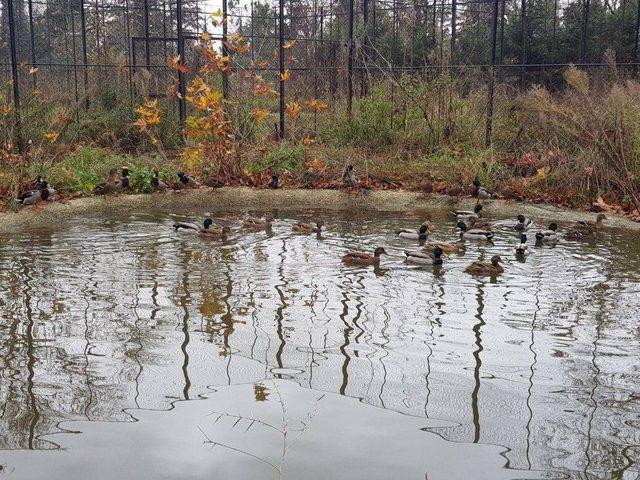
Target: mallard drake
{"points": [[458, 247], [362, 258], [548, 236], [522, 248], [474, 234], [465, 215], [486, 268], [41, 193], [306, 228], [112, 185], [192, 227], [480, 192], [410, 234], [425, 258], [157, 183], [523, 223], [275, 182], [258, 223], [187, 181]]}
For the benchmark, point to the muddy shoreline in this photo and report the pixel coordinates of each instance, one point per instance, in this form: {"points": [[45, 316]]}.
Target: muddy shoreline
{"points": [[241, 198]]}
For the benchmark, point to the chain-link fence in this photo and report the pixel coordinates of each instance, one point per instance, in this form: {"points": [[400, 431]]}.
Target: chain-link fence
{"points": [[83, 54]]}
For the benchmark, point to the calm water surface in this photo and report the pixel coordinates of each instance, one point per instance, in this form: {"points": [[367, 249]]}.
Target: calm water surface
{"points": [[129, 351]]}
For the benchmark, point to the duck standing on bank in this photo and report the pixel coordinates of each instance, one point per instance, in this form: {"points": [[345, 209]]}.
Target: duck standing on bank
{"points": [[113, 185], [157, 183], [187, 181], [275, 182], [480, 192], [362, 258], [41, 193]]}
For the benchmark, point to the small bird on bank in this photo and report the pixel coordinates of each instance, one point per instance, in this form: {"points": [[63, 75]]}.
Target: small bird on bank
{"points": [[41, 193], [465, 215], [491, 268], [522, 249], [550, 235], [307, 228], [113, 185], [474, 233], [362, 258], [157, 183], [187, 181], [523, 223], [425, 258], [275, 182], [480, 192]]}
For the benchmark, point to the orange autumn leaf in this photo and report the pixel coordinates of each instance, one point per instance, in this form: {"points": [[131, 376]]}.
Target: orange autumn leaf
{"points": [[263, 64], [293, 110], [289, 44], [259, 114], [286, 75], [174, 63], [51, 136], [205, 37], [316, 105], [33, 70]]}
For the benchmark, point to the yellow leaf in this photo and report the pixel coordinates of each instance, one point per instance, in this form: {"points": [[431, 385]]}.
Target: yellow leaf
{"points": [[293, 110], [205, 37], [259, 114], [286, 75], [51, 136], [289, 44], [33, 70]]}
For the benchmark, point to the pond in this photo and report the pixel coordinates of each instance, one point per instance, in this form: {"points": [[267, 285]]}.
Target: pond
{"points": [[131, 351]]}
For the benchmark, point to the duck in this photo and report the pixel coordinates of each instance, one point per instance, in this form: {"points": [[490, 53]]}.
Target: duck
{"points": [[411, 234], [457, 247], [475, 224], [258, 223], [157, 183], [523, 223], [192, 227], [214, 182], [187, 181], [550, 235], [307, 228], [425, 258], [585, 228], [349, 178], [486, 268], [362, 258], [275, 182], [522, 248], [465, 215], [215, 233], [480, 192], [41, 193], [112, 185], [474, 233]]}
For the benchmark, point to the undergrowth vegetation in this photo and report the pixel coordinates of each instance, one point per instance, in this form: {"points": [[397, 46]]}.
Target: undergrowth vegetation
{"points": [[577, 145]]}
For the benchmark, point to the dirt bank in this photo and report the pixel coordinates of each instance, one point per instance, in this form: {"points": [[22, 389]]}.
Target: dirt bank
{"points": [[235, 198]]}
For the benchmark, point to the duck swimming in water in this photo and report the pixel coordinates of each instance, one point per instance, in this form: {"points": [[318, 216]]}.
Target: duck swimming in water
{"points": [[522, 249], [486, 268], [549, 235], [362, 258], [474, 234], [306, 228], [425, 258], [465, 215], [410, 234], [523, 223]]}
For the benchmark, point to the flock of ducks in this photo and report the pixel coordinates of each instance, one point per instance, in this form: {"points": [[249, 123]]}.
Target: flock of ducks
{"points": [[471, 225]]}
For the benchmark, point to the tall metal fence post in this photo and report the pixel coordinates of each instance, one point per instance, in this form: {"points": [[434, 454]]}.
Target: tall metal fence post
{"points": [[32, 41], [350, 63], [364, 76], [14, 74], [182, 88], [225, 50], [636, 44], [523, 41], [492, 73], [281, 66], [584, 31], [85, 57], [454, 27], [147, 30]]}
